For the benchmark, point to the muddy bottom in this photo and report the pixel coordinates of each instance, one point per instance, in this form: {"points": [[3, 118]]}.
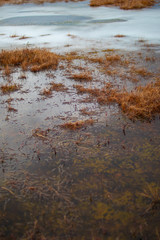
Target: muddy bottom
{"points": [[99, 181]]}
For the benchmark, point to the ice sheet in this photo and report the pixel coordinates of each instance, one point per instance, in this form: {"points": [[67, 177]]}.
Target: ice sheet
{"points": [[76, 26]]}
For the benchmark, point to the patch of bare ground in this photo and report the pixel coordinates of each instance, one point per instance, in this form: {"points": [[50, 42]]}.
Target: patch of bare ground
{"points": [[78, 124], [8, 88], [35, 60], [124, 4]]}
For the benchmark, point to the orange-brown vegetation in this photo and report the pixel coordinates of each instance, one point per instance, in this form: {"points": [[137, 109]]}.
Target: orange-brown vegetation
{"points": [[57, 87], [78, 124], [36, 59], [140, 71], [110, 59], [7, 88], [83, 76], [123, 4], [7, 71], [23, 37], [86, 111], [141, 103], [119, 36], [46, 92], [22, 76], [11, 109], [14, 36]]}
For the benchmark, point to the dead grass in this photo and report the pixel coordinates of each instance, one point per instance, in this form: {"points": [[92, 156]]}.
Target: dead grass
{"points": [[23, 37], [7, 88], [7, 71], [112, 59], [83, 76], [123, 4], [46, 92], [14, 36], [86, 111], [119, 36], [78, 124], [12, 109], [141, 103], [58, 87], [36, 59], [140, 71]]}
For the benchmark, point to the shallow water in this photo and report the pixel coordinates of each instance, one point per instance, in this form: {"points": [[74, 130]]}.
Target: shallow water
{"points": [[98, 182]]}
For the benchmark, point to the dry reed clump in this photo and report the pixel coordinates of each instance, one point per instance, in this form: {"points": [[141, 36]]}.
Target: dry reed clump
{"points": [[124, 4], [119, 36], [36, 59], [112, 59], [83, 76], [85, 111], [7, 88], [57, 87], [78, 124], [140, 71], [46, 92], [141, 103]]}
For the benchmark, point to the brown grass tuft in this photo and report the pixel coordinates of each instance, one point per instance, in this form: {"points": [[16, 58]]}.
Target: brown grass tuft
{"points": [[58, 87], [23, 37], [141, 103], [140, 71], [119, 36], [112, 59], [7, 71], [36, 59], [83, 76], [14, 36], [7, 88], [124, 4], [78, 124], [85, 111], [46, 92]]}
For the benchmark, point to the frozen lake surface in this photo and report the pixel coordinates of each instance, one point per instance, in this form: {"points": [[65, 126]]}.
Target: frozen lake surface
{"points": [[76, 26]]}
